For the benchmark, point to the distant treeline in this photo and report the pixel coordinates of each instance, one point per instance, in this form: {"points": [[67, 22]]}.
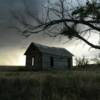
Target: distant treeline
{"points": [[10, 68]]}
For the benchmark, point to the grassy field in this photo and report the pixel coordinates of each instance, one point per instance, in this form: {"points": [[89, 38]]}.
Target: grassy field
{"points": [[60, 85]]}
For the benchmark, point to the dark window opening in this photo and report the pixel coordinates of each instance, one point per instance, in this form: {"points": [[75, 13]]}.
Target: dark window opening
{"points": [[69, 62], [51, 61]]}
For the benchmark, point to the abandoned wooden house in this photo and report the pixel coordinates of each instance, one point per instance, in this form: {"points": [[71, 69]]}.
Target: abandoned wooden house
{"points": [[42, 57]]}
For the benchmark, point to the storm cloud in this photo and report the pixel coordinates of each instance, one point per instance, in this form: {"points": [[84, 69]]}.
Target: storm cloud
{"points": [[12, 43], [9, 36]]}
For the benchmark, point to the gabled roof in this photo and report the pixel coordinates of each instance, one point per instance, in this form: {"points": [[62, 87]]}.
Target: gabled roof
{"points": [[49, 50]]}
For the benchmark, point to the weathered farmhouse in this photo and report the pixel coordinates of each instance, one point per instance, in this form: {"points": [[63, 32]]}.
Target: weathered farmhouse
{"points": [[42, 57]]}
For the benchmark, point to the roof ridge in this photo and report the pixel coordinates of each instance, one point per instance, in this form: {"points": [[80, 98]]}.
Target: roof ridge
{"points": [[48, 46], [52, 49]]}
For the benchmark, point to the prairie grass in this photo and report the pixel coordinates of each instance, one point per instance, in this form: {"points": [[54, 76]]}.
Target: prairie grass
{"points": [[53, 85]]}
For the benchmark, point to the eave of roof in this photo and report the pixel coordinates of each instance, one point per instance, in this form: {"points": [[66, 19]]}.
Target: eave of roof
{"points": [[51, 50]]}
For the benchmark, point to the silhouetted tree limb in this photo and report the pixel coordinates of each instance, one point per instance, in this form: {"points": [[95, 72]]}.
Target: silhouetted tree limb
{"points": [[68, 17]]}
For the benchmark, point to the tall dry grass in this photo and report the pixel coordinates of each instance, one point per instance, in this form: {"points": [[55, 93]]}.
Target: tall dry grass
{"points": [[71, 85]]}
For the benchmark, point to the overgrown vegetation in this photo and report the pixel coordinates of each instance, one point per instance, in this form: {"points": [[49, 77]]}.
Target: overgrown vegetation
{"points": [[81, 62], [73, 85]]}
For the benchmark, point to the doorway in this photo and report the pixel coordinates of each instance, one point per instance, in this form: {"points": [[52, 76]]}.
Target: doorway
{"points": [[33, 61], [69, 62], [51, 61]]}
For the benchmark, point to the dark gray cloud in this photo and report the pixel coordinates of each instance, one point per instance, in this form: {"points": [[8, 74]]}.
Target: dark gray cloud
{"points": [[11, 41], [11, 37]]}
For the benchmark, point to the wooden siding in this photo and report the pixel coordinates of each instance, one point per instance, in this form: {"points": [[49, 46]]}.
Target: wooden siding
{"points": [[59, 62]]}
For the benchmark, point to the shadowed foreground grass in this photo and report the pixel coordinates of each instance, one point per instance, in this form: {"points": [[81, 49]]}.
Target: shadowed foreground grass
{"points": [[72, 85]]}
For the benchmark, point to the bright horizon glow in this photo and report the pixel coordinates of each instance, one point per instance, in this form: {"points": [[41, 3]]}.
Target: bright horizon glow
{"points": [[13, 58], [21, 60], [16, 57]]}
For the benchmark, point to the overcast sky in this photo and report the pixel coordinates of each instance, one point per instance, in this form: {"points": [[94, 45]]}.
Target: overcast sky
{"points": [[13, 45]]}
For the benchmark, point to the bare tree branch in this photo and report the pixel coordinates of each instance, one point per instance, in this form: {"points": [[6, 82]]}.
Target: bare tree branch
{"points": [[68, 16]]}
